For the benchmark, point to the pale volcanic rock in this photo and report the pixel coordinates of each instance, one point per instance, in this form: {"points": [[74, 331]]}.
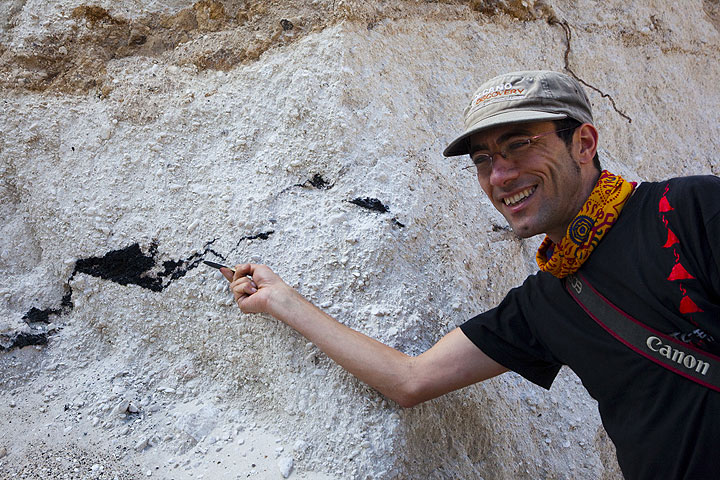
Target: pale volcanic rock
{"points": [[138, 141]]}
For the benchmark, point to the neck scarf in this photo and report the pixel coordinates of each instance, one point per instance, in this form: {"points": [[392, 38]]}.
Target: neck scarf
{"points": [[600, 212]]}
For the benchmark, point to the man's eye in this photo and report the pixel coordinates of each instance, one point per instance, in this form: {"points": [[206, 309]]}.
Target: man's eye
{"points": [[518, 145], [480, 159]]}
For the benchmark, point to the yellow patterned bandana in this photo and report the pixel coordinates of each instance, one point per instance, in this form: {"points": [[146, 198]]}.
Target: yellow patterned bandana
{"points": [[600, 212]]}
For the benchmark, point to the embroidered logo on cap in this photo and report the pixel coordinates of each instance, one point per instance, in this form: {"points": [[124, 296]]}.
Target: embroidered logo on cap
{"points": [[502, 90]]}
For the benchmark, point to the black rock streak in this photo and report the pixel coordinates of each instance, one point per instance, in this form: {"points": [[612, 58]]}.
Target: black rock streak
{"points": [[316, 181], [261, 236], [131, 266], [370, 204], [126, 266], [35, 315], [25, 339], [319, 182]]}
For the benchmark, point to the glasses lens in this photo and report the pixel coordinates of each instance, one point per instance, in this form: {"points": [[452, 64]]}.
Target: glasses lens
{"points": [[481, 163], [480, 160]]}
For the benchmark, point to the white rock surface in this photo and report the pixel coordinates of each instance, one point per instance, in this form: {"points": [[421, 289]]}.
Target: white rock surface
{"points": [[215, 131]]}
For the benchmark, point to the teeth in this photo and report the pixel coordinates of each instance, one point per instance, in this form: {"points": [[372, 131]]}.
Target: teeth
{"points": [[520, 196]]}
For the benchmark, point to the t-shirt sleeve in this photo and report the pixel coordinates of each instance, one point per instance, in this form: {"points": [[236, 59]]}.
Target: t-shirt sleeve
{"points": [[506, 335]]}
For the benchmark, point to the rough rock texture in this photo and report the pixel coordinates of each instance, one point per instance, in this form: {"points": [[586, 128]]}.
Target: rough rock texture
{"points": [[139, 138]]}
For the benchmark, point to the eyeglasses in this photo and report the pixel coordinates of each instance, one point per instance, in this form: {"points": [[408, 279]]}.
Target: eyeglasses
{"points": [[513, 151]]}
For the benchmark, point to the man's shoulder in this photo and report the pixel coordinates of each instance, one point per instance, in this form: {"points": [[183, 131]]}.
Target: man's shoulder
{"points": [[690, 191], [686, 184], [541, 286]]}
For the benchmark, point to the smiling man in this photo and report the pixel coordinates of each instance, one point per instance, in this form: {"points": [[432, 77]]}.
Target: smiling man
{"points": [[627, 295]]}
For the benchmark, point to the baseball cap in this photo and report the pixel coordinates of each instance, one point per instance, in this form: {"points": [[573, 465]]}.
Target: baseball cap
{"points": [[526, 96]]}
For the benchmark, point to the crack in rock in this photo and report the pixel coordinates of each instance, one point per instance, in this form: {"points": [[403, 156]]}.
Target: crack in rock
{"points": [[261, 236], [568, 35]]}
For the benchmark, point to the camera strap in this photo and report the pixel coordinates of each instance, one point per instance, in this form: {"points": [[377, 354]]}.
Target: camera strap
{"points": [[677, 356]]}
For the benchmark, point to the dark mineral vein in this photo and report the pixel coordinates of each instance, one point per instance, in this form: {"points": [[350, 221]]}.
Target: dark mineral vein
{"points": [[24, 339], [316, 181], [261, 236], [370, 204], [35, 315], [319, 182], [131, 265], [126, 266]]}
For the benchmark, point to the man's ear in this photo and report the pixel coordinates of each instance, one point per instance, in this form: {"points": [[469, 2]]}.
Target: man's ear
{"points": [[586, 142]]}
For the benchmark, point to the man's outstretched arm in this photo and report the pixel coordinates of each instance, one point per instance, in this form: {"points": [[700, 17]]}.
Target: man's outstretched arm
{"points": [[452, 363]]}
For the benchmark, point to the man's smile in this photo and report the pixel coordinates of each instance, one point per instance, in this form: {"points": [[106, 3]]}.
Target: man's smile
{"points": [[513, 200]]}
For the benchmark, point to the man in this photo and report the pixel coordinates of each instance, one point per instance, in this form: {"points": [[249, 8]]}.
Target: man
{"points": [[652, 250]]}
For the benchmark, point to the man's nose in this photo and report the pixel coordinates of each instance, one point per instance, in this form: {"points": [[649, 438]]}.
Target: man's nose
{"points": [[503, 170]]}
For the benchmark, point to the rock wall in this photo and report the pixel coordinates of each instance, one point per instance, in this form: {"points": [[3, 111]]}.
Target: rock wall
{"points": [[139, 138]]}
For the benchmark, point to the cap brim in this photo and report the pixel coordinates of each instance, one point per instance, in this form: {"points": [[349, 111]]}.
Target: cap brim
{"points": [[460, 146]]}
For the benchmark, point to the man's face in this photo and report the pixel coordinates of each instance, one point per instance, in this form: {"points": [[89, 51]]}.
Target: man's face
{"points": [[539, 189]]}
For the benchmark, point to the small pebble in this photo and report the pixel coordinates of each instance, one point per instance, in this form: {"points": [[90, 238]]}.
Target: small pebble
{"points": [[285, 464], [141, 445]]}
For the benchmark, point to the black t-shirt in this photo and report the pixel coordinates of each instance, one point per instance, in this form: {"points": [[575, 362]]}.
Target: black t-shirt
{"points": [[660, 263]]}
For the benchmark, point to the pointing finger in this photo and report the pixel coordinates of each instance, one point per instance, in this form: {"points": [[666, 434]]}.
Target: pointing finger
{"points": [[227, 273]]}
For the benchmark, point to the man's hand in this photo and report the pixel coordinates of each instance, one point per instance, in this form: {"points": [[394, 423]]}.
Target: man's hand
{"points": [[256, 287]]}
